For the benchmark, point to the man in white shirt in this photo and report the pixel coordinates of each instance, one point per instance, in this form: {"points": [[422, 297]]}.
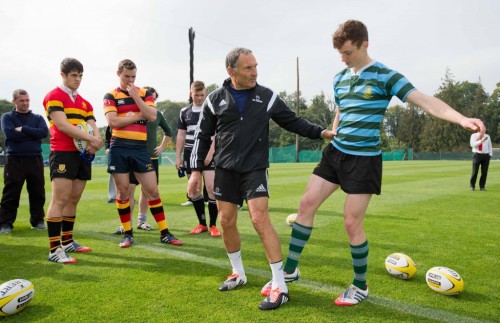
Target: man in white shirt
{"points": [[483, 151]]}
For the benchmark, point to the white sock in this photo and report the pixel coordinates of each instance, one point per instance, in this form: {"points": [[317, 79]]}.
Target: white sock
{"points": [[278, 276], [141, 217], [237, 263]]}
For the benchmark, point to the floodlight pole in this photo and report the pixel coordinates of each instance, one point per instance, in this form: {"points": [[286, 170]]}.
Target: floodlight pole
{"points": [[191, 35], [297, 105]]}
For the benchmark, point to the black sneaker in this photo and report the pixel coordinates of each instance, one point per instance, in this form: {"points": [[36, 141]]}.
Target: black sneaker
{"points": [[274, 300]]}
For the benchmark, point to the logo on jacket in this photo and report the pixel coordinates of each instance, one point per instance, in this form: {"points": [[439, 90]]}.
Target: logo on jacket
{"points": [[223, 102], [257, 99]]}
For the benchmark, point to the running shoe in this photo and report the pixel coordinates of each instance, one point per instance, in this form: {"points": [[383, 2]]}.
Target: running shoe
{"points": [[119, 231], [289, 278], [232, 282], [214, 232], [127, 241], [61, 257], [187, 203], [144, 226], [170, 239], [39, 226], [199, 229], [75, 247], [352, 296], [275, 299], [6, 230]]}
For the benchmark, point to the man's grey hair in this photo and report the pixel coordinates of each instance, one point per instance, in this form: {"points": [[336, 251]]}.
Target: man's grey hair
{"points": [[233, 55], [18, 92]]}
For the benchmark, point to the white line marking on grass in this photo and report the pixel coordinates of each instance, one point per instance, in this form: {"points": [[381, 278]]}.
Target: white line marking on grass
{"points": [[419, 311]]}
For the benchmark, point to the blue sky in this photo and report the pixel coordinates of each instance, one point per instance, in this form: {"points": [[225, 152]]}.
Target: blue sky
{"points": [[418, 38]]}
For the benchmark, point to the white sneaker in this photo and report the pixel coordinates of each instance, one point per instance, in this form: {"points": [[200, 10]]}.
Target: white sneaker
{"points": [[352, 296], [187, 203], [144, 226], [289, 278], [61, 257], [232, 282]]}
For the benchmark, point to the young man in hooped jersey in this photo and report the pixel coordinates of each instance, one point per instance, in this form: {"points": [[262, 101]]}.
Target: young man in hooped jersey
{"points": [[186, 126], [353, 160], [128, 109], [69, 173]]}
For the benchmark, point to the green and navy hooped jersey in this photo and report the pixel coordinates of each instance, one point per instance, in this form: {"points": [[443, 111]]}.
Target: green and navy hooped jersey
{"points": [[363, 100]]}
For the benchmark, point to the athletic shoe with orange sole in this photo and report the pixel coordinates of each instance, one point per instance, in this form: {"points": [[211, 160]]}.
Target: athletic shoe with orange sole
{"points": [[199, 229], [170, 239], [61, 257], [289, 278], [75, 247], [127, 241], [234, 280], [275, 299], [214, 232], [352, 296]]}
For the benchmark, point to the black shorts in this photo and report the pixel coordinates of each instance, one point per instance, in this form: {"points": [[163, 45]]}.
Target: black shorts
{"points": [[133, 180], [122, 159], [232, 186], [354, 174], [210, 166], [69, 164]]}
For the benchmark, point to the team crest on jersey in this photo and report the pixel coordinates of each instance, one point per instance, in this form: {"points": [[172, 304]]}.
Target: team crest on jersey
{"points": [[61, 168], [121, 101], [368, 93]]}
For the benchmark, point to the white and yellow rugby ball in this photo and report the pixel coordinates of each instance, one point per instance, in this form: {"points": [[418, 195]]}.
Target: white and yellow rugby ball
{"points": [[400, 266], [81, 145], [15, 295], [444, 280], [290, 219]]}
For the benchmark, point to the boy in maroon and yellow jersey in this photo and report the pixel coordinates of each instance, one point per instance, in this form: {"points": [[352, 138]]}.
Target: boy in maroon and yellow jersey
{"points": [[128, 109], [68, 171]]}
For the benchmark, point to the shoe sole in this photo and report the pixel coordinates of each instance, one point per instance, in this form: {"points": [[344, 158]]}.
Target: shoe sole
{"points": [[82, 250], [284, 298]]}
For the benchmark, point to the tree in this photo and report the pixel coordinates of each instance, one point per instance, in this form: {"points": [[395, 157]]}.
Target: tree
{"points": [[171, 111], [279, 137], [492, 115], [438, 135]]}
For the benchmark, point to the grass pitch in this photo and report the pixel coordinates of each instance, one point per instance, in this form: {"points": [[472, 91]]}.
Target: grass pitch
{"points": [[425, 211]]}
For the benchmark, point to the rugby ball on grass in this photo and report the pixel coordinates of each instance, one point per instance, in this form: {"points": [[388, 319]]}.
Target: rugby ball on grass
{"points": [[82, 144], [15, 295], [444, 280], [400, 266], [290, 220]]}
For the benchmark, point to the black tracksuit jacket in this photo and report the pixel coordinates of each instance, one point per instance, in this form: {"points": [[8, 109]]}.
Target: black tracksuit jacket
{"points": [[242, 141]]}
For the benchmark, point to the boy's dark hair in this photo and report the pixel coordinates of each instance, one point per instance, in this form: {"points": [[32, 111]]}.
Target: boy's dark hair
{"points": [[71, 65], [353, 30]]}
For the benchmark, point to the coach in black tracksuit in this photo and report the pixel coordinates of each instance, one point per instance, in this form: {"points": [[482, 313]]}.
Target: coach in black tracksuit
{"points": [[24, 131], [238, 114]]}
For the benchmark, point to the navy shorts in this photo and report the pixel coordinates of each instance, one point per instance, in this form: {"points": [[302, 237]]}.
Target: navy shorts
{"points": [[354, 174], [69, 164], [123, 159], [133, 180], [230, 186]]}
